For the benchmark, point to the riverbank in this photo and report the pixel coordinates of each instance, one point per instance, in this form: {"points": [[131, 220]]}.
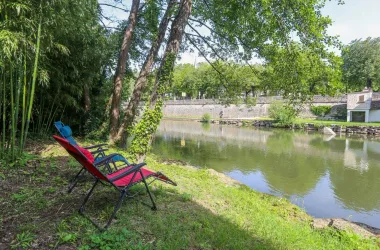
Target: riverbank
{"points": [[372, 129], [207, 210]]}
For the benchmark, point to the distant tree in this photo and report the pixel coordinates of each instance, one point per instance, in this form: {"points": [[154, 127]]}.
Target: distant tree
{"points": [[361, 64], [205, 81], [298, 72]]}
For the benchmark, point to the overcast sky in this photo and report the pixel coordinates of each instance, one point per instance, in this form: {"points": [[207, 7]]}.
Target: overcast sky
{"points": [[354, 20]]}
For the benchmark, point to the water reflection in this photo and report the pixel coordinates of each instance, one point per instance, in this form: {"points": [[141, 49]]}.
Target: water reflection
{"points": [[329, 177]]}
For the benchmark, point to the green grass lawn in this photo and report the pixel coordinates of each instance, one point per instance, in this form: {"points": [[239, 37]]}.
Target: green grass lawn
{"points": [[341, 123], [206, 210]]}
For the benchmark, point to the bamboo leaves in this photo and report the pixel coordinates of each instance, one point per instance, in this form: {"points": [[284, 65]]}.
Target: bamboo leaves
{"points": [[14, 80]]}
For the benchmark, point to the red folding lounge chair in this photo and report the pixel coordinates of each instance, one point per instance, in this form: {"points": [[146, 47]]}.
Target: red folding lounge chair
{"points": [[121, 179]]}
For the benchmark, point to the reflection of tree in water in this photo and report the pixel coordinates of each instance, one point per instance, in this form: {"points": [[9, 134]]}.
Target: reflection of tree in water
{"points": [[357, 190], [295, 175], [286, 169], [290, 171], [206, 126], [280, 142], [218, 154]]}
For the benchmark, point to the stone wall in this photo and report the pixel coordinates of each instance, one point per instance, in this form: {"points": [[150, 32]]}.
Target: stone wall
{"points": [[198, 107]]}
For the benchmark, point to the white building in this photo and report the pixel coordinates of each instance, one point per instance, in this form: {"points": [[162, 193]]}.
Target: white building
{"points": [[363, 106]]}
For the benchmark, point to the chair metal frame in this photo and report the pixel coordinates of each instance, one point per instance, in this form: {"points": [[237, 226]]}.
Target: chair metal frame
{"points": [[130, 170]]}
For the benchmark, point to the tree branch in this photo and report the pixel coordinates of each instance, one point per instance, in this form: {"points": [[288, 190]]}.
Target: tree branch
{"points": [[113, 6], [203, 55]]}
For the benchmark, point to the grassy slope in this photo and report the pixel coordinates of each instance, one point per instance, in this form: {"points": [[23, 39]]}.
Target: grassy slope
{"points": [[205, 211]]}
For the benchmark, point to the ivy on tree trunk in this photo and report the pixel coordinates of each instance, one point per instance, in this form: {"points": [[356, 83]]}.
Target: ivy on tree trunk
{"points": [[146, 128], [141, 81]]}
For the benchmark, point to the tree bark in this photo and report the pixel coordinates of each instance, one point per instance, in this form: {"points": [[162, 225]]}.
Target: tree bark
{"points": [[141, 81], [369, 83], [176, 33], [87, 100], [120, 71], [163, 76]]}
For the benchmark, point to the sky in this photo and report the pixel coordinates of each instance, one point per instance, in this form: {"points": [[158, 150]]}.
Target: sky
{"points": [[354, 20]]}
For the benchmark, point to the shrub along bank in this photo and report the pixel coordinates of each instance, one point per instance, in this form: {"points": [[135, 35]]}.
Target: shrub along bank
{"points": [[206, 210]]}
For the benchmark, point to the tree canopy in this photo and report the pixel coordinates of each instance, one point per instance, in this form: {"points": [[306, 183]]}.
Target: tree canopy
{"points": [[237, 81], [361, 64]]}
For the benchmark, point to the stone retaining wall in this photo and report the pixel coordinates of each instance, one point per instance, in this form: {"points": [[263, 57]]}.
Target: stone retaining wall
{"points": [[198, 107]]}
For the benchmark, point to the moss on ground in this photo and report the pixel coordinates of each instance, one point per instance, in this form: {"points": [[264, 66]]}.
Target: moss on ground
{"points": [[205, 211]]}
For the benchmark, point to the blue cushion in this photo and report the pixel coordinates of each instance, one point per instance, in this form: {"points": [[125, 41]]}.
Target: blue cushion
{"points": [[66, 131]]}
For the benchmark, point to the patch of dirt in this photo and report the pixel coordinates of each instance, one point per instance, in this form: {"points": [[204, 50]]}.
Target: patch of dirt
{"points": [[40, 210], [345, 225]]}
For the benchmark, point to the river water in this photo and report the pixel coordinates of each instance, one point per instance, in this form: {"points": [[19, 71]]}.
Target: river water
{"points": [[327, 176]]}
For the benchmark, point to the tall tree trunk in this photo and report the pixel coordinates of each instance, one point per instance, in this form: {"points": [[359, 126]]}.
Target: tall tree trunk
{"points": [[152, 116], [172, 48], [86, 96], [369, 82], [120, 71], [141, 81]]}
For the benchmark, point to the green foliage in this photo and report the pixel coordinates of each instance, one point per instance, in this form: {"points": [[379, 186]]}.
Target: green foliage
{"points": [[320, 110], [23, 240], [299, 72], [63, 235], [361, 64], [250, 101], [284, 115], [114, 239], [204, 81], [145, 129], [186, 197], [46, 61], [206, 118]]}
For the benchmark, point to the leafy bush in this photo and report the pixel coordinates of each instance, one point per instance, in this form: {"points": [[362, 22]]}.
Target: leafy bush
{"points": [[206, 118], [283, 115], [250, 101], [320, 110]]}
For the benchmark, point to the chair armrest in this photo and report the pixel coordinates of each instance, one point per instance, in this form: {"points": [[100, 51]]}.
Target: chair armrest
{"points": [[106, 159], [133, 169], [95, 146], [99, 151]]}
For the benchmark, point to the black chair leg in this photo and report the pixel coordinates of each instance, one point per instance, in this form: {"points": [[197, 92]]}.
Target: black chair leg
{"points": [[147, 189], [82, 208], [74, 182], [117, 207]]}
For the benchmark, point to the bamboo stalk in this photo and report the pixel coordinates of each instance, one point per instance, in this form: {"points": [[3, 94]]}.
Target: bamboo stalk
{"points": [[4, 113], [1, 106], [18, 102], [12, 127], [23, 106], [33, 81]]}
